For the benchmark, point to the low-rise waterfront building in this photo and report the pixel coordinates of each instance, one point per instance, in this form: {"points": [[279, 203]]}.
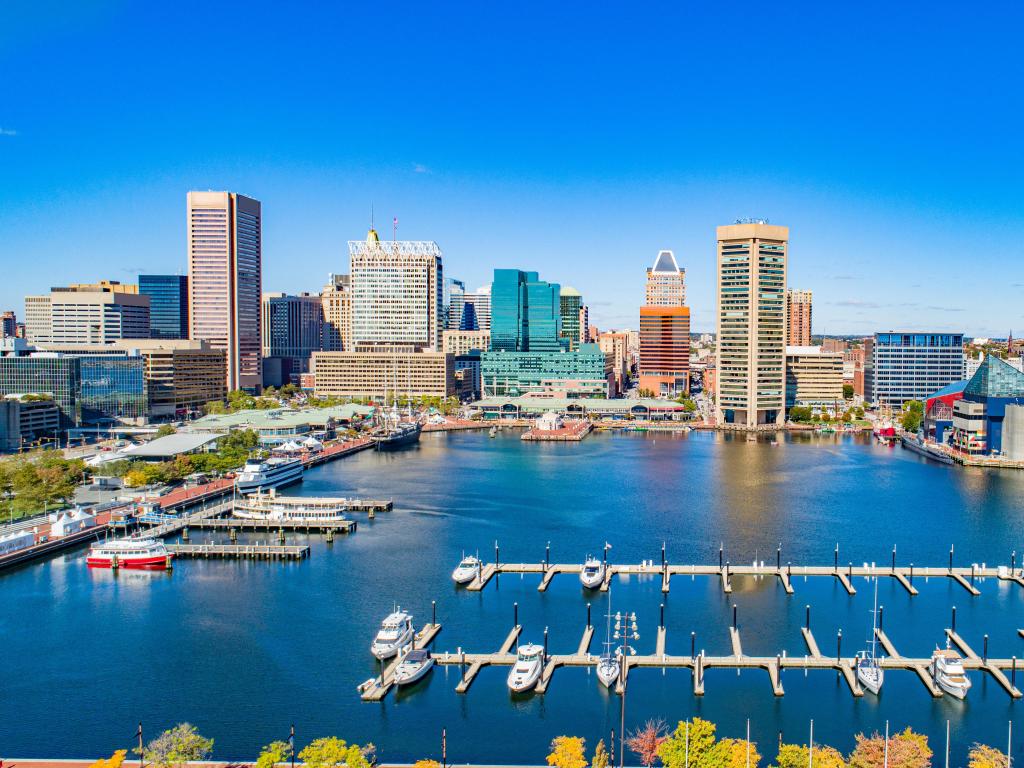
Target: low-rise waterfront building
{"points": [[391, 372], [585, 372], [535, 405], [978, 417], [279, 425], [814, 377]]}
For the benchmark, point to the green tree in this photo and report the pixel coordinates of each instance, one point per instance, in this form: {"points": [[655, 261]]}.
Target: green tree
{"points": [[600, 758], [215, 408], [796, 755], [165, 430], [330, 751], [567, 752], [906, 750], [177, 746], [847, 391], [800, 414], [701, 737], [274, 753]]}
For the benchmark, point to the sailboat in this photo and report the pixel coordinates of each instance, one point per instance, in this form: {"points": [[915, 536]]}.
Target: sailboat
{"points": [[608, 663], [869, 672]]}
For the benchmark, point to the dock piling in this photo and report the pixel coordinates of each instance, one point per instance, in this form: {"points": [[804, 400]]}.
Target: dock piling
{"points": [[589, 624], [661, 623], [734, 608], [807, 617], [984, 649], [497, 552], [835, 562], [893, 567], [721, 550], [433, 613], [911, 574], [547, 556], [778, 557], [663, 560], [881, 613], [693, 645], [515, 614], [1013, 671], [1013, 562], [952, 621], [545, 643], [839, 646], [950, 558]]}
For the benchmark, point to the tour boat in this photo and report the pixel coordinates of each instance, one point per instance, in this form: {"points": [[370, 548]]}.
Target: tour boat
{"points": [[885, 432], [608, 664], [869, 671], [262, 475], [526, 671], [467, 570], [144, 554], [295, 509], [948, 672], [395, 632], [412, 666], [592, 573]]}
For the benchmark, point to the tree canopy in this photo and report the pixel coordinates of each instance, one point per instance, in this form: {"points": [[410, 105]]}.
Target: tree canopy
{"points": [[177, 746], [567, 752]]}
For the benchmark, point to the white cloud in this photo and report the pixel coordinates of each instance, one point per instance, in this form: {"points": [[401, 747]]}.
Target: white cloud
{"points": [[420, 168], [7, 131]]}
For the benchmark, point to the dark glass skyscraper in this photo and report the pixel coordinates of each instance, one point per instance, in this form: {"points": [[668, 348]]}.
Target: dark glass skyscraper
{"points": [[168, 305]]}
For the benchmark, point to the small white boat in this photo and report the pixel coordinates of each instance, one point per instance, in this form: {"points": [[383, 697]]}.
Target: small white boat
{"points": [[467, 570], [526, 671], [395, 632], [412, 666], [608, 669], [592, 573], [948, 672]]}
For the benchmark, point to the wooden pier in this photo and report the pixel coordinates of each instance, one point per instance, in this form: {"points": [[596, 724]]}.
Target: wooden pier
{"points": [[377, 688], [240, 551], [844, 575], [273, 526], [472, 663]]}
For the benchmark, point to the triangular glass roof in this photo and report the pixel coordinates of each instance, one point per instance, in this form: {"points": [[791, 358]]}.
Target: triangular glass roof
{"points": [[666, 262], [996, 378]]}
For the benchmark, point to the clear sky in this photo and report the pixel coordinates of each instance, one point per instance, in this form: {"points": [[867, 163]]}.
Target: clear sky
{"points": [[574, 138]]}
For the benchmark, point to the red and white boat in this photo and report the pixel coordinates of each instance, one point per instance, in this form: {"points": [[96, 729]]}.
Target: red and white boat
{"points": [[139, 554]]}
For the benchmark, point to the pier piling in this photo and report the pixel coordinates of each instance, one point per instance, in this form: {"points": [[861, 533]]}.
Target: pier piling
{"points": [[693, 645], [807, 617], [515, 614], [589, 624]]}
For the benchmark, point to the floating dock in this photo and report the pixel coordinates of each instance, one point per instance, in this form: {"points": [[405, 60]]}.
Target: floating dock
{"points": [[377, 688], [272, 526], [240, 551], [904, 575]]}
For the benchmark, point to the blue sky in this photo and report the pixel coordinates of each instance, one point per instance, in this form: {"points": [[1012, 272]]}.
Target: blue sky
{"points": [[572, 138]]}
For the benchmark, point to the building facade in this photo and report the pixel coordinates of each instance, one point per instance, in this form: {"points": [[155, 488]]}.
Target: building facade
{"points": [[526, 313], [664, 338], [225, 274], [26, 421], [181, 375], [571, 310], [336, 303], [9, 323], [97, 315], [585, 372], [979, 416], [384, 374], [751, 327], [464, 342], [798, 318], [814, 378], [293, 328], [911, 365], [479, 304], [615, 345], [397, 294], [168, 305], [37, 319]]}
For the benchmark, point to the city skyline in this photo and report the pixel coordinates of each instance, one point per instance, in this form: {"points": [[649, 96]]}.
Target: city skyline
{"points": [[882, 212]]}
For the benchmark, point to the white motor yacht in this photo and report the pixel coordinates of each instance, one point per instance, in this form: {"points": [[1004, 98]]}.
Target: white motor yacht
{"points": [[396, 631], [412, 666], [948, 671], [467, 570], [608, 669], [526, 671], [592, 573]]}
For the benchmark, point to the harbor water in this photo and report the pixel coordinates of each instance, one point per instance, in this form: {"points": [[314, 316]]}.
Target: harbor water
{"points": [[245, 649]]}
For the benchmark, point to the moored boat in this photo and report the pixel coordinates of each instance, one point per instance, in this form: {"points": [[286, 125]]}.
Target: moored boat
{"points": [[869, 671], [413, 666], [295, 509], [526, 671], [608, 663], [926, 449], [592, 573], [140, 554], [467, 570], [948, 672], [262, 475], [396, 632]]}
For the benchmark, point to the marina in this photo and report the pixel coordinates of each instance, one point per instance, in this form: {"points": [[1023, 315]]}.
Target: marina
{"points": [[693, 492], [240, 551]]}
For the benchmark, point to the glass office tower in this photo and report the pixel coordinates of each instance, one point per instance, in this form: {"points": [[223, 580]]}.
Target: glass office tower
{"points": [[168, 305]]}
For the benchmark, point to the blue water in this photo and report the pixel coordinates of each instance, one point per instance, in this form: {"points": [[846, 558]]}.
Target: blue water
{"points": [[245, 649]]}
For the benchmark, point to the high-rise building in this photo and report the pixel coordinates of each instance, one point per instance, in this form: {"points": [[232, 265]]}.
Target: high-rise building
{"points": [[571, 303], [664, 341], [584, 324], [910, 365], [292, 329], [38, 325], [750, 380], [397, 294], [666, 282], [225, 257], [454, 301], [97, 314], [525, 312], [615, 345], [479, 304], [798, 318], [9, 323], [168, 305], [336, 300]]}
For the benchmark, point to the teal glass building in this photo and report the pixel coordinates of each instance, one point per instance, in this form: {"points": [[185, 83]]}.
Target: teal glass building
{"points": [[526, 312]]}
